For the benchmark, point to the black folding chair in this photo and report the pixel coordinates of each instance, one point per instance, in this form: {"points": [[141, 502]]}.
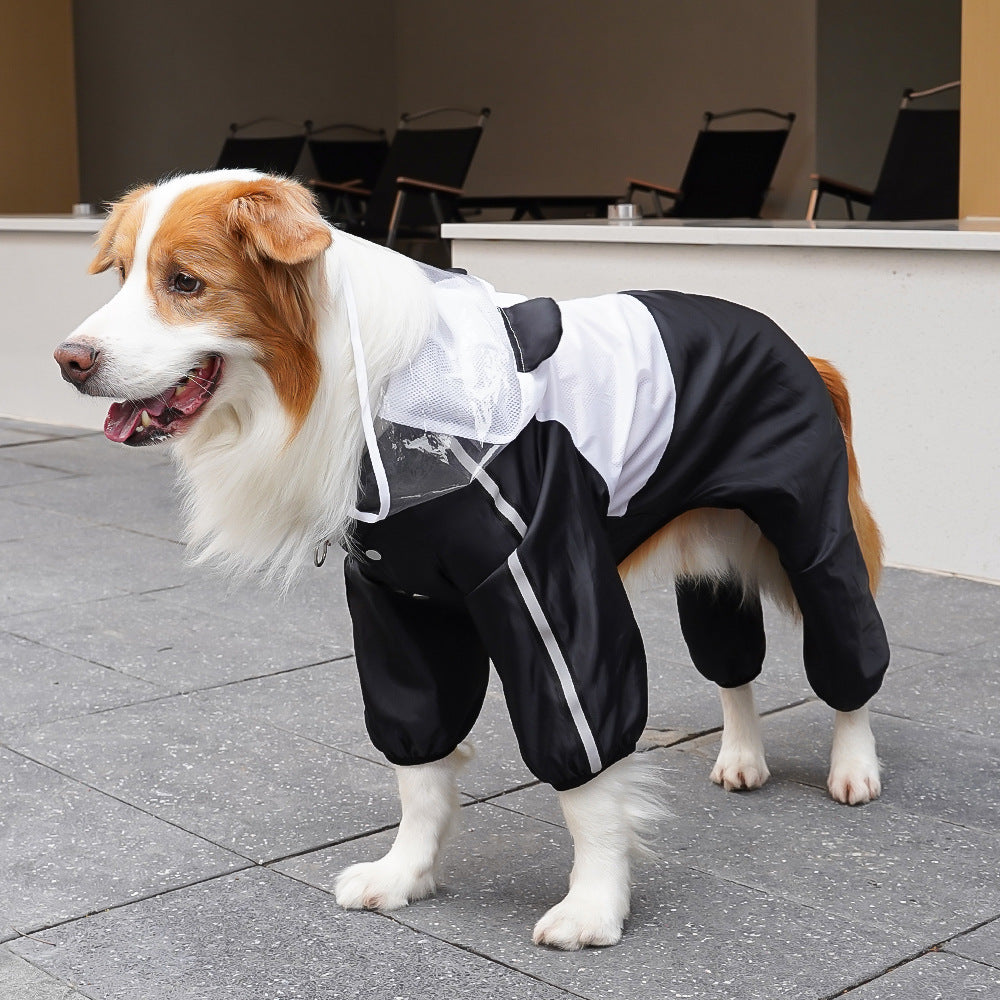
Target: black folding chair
{"points": [[350, 155], [728, 173], [420, 181], [919, 175], [278, 154]]}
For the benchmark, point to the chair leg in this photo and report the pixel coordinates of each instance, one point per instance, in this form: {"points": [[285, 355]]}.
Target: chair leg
{"points": [[397, 211], [813, 204]]}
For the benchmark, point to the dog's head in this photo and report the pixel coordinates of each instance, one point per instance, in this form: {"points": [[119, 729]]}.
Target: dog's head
{"points": [[216, 285]]}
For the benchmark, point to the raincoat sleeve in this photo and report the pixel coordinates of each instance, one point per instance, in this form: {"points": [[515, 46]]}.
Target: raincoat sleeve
{"points": [[561, 634]]}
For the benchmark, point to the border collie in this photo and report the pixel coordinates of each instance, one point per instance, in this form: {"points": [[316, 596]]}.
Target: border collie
{"points": [[656, 436]]}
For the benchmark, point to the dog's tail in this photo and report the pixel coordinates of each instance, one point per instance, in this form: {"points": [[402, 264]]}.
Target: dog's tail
{"points": [[869, 536]]}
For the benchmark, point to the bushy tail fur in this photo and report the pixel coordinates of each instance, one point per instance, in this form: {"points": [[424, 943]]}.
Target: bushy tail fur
{"points": [[869, 536]]}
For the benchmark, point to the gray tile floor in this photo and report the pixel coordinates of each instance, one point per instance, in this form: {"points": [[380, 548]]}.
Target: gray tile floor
{"points": [[184, 770]]}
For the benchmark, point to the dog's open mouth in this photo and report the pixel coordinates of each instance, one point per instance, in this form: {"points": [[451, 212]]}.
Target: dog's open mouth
{"points": [[147, 421]]}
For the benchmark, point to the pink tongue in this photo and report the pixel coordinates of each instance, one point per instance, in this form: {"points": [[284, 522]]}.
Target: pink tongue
{"points": [[123, 418]]}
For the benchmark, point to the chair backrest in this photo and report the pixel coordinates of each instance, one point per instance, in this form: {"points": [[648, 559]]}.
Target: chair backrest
{"points": [[353, 152], [271, 154], [730, 170], [436, 155], [919, 176]]}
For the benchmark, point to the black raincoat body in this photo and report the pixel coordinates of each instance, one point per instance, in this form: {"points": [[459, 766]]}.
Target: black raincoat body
{"points": [[520, 566]]}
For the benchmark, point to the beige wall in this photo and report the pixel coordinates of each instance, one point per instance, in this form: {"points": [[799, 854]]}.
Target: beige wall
{"points": [[979, 183], [585, 92], [38, 165], [158, 84]]}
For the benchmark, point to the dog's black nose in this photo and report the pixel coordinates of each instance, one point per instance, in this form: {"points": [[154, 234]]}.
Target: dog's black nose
{"points": [[77, 361]]}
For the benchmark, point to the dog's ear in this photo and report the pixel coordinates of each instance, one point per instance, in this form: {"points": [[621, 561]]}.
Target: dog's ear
{"points": [[116, 240], [278, 220]]}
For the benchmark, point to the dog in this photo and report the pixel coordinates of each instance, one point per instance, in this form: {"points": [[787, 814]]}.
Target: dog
{"points": [[262, 343]]}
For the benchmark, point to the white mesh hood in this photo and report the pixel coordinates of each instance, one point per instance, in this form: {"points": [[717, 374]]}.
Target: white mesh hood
{"points": [[450, 411]]}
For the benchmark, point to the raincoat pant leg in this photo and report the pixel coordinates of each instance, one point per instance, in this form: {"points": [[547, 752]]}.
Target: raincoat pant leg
{"points": [[723, 628], [845, 649], [422, 666]]}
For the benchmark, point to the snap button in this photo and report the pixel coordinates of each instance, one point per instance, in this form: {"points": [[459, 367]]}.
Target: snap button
{"points": [[373, 555]]}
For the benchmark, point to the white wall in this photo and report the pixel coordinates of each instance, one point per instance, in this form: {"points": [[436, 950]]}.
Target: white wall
{"points": [[47, 293], [913, 331]]}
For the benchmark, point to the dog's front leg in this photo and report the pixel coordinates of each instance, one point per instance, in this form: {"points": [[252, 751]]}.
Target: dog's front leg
{"points": [[606, 818], [854, 769], [428, 796]]}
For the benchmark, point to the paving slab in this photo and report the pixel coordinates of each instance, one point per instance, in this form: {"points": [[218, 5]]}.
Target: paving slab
{"points": [[67, 850], [982, 945], [52, 572], [172, 646], [14, 431], [957, 691], [925, 770], [690, 935], [20, 980], [934, 976], [939, 614], [91, 455], [261, 936], [14, 472], [41, 685], [244, 785], [20, 521], [145, 500], [316, 603], [924, 878]]}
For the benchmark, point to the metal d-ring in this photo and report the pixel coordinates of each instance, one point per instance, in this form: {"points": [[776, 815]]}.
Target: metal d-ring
{"points": [[319, 556]]}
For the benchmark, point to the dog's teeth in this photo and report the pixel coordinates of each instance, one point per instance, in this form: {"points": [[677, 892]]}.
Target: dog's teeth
{"points": [[145, 419]]}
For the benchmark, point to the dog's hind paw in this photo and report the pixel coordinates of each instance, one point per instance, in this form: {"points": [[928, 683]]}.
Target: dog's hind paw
{"points": [[381, 885], [575, 924], [740, 770], [854, 769], [855, 782]]}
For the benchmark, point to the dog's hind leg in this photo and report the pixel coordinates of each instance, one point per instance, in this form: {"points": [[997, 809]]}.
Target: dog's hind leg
{"points": [[607, 819], [740, 765], [429, 798], [854, 768], [723, 626]]}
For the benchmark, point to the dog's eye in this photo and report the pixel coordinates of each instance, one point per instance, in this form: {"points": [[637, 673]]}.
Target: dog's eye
{"points": [[185, 284]]}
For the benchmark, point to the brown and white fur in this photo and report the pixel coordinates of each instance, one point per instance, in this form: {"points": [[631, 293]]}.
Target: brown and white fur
{"points": [[230, 333]]}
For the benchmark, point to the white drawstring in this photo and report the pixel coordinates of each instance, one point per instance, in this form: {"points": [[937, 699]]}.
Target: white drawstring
{"points": [[367, 423]]}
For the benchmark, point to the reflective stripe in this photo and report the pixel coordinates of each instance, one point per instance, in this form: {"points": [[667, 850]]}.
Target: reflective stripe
{"points": [[534, 608], [558, 661], [487, 482]]}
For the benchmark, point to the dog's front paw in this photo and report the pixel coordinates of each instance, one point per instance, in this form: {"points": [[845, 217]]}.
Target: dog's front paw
{"points": [[381, 885], [578, 923], [855, 781], [740, 769]]}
